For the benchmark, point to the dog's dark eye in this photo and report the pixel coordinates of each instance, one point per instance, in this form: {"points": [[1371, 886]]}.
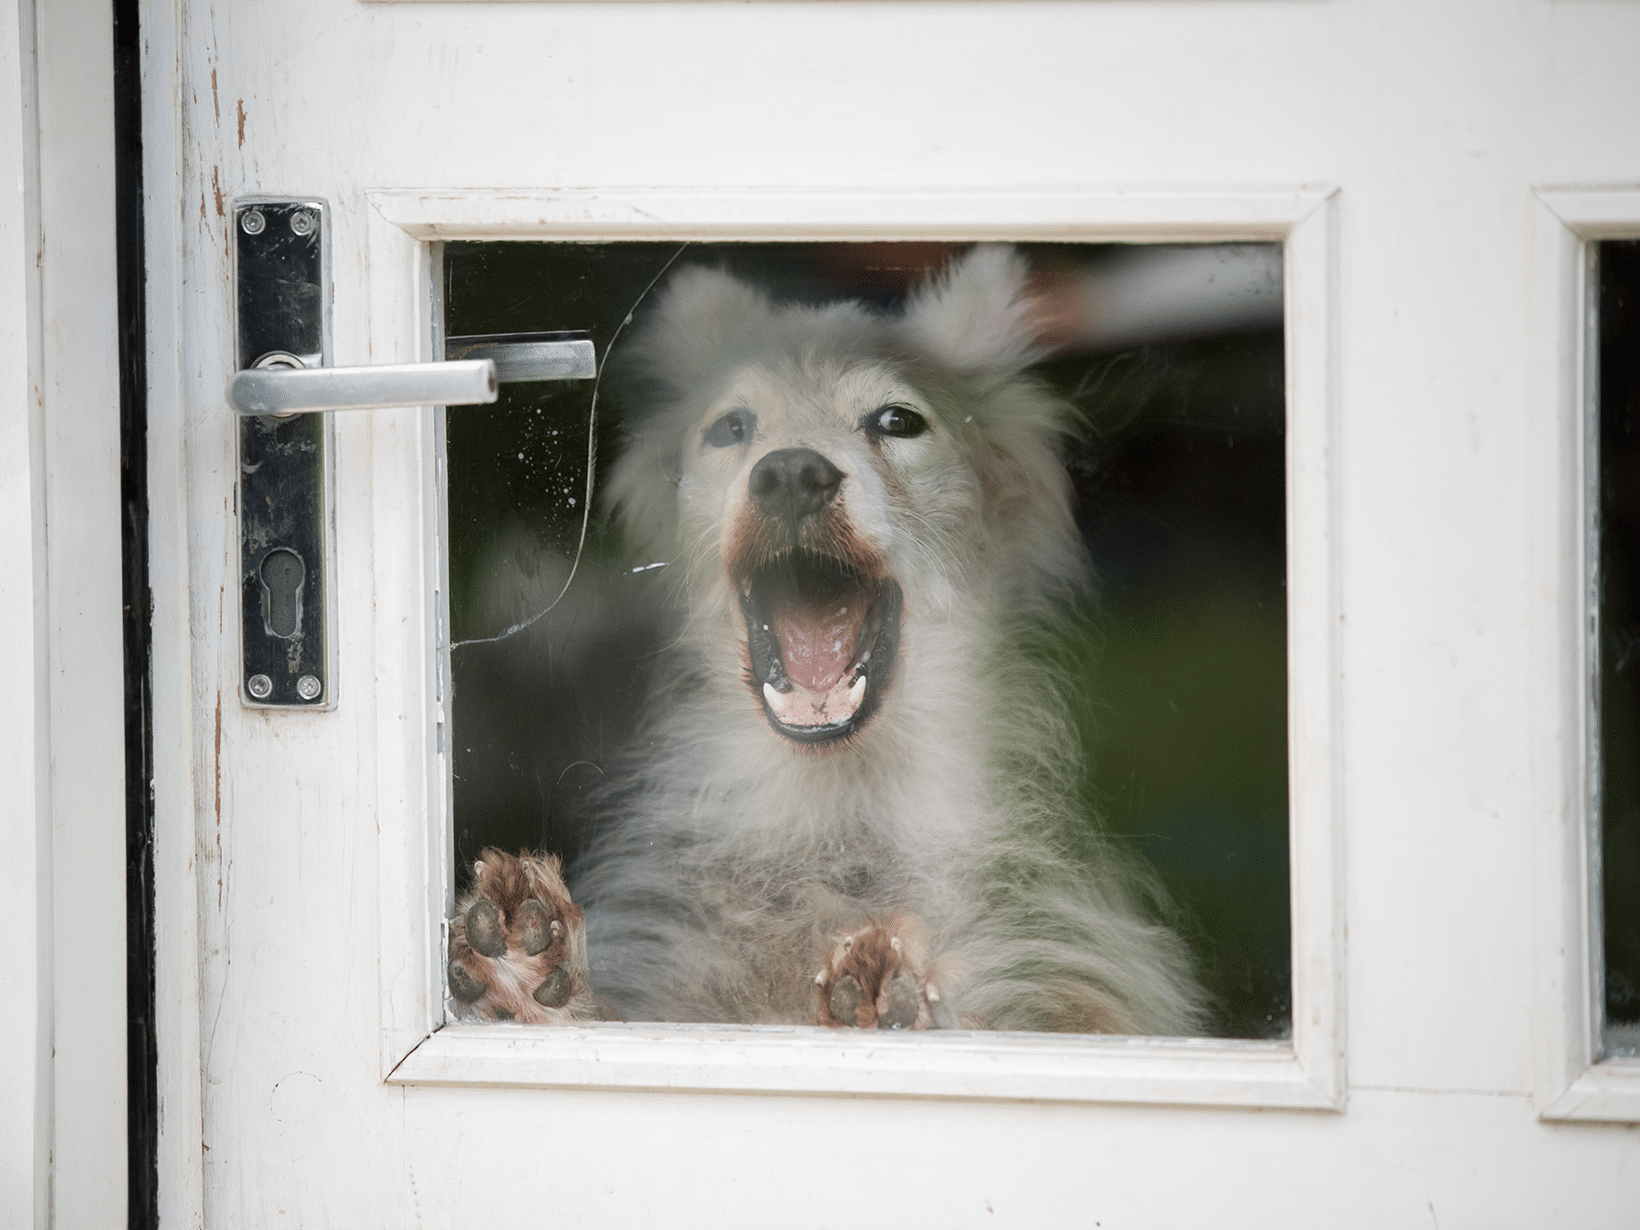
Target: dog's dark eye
{"points": [[733, 428], [901, 421]]}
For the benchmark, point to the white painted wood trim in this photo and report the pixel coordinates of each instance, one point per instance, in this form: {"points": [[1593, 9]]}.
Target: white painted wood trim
{"points": [[1088, 216], [415, 875], [1314, 675], [62, 826], [406, 529], [766, 1059], [1595, 213], [25, 720], [183, 719], [1571, 1081]]}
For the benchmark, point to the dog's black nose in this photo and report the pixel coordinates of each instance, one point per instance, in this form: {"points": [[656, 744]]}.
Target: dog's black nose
{"points": [[791, 483]]}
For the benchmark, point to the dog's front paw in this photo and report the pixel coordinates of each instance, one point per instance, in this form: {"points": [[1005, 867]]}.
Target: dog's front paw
{"points": [[517, 945], [876, 978]]}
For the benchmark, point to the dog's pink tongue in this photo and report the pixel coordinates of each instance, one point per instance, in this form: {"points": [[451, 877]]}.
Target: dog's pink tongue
{"points": [[817, 642]]}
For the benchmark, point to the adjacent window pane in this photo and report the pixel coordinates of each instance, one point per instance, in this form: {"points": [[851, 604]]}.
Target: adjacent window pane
{"points": [[1179, 663], [1619, 638]]}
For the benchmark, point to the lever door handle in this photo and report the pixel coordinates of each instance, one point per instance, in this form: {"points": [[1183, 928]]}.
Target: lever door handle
{"points": [[280, 383], [564, 355], [280, 387]]}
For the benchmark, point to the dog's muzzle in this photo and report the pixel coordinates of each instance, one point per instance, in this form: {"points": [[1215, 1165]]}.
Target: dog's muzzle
{"points": [[822, 616]]}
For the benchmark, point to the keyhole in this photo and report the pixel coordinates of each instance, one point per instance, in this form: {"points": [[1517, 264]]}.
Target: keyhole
{"points": [[282, 574]]}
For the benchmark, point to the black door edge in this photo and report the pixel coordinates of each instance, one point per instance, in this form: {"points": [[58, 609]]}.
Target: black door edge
{"points": [[142, 1043]]}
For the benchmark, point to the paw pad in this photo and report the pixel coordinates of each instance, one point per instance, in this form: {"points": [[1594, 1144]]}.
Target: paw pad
{"points": [[555, 989], [484, 930], [538, 927], [464, 985], [845, 1000]]}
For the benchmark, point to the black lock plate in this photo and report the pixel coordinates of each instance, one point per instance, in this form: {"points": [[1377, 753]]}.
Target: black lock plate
{"points": [[282, 319]]}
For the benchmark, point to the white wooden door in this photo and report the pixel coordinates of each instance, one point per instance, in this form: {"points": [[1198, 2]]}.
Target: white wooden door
{"points": [[1405, 155]]}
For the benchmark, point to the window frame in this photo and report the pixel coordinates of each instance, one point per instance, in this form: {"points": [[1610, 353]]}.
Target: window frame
{"points": [[413, 822], [1572, 1081]]}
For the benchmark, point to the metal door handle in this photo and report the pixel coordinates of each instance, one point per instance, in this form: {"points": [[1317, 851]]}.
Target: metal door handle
{"points": [[282, 388], [280, 383]]}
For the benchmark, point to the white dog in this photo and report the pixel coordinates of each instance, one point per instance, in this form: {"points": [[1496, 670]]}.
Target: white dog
{"points": [[855, 799]]}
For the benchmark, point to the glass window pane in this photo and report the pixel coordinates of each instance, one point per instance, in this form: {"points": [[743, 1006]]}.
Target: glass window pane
{"points": [[1174, 660], [1619, 638]]}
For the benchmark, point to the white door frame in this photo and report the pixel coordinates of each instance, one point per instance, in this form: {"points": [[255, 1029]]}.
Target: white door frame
{"points": [[62, 741]]}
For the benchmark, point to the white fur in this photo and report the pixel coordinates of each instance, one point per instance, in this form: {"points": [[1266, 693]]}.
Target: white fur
{"points": [[732, 857]]}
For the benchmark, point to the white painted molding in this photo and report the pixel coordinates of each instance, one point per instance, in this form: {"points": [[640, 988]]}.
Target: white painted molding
{"points": [[1090, 216], [25, 720], [182, 717], [1571, 1080], [768, 1059], [404, 550], [62, 826], [1595, 213], [414, 825]]}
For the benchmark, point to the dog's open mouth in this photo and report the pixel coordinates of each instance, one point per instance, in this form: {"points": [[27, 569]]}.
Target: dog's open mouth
{"points": [[822, 638]]}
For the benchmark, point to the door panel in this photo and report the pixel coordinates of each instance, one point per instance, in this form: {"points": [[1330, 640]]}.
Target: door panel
{"points": [[331, 1090]]}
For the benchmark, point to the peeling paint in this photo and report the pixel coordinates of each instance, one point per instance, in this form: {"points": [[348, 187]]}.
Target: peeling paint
{"points": [[240, 107], [216, 187], [215, 106]]}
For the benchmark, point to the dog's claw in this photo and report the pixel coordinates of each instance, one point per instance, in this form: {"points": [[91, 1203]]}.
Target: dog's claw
{"points": [[484, 933], [845, 1001], [535, 926], [554, 990]]}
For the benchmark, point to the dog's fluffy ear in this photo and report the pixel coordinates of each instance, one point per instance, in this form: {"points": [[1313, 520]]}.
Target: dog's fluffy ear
{"points": [[975, 316], [978, 319], [700, 319]]}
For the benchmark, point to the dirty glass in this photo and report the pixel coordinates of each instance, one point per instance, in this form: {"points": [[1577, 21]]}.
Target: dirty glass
{"points": [[1176, 654], [1618, 651]]}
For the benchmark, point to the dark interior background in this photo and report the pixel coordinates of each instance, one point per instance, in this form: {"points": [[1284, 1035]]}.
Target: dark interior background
{"points": [[1619, 619], [1180, 477]]}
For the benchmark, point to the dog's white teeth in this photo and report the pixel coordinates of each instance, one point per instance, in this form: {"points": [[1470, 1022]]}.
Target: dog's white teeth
{"points": [[773, 697], [820, 979], [932, 991], [894, 943], [857, 690]]}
